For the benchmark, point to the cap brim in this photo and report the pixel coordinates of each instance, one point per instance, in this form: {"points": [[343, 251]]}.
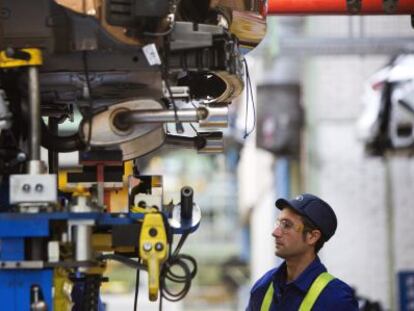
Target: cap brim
{"points": [[283, 203]]}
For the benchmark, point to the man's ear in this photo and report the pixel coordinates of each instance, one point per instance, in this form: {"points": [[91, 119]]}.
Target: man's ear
{"points": [[313, 236]]}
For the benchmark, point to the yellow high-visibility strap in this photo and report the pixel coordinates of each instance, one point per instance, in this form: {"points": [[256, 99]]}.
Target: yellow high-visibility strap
{"points": [[267, 300], [316, 289]]}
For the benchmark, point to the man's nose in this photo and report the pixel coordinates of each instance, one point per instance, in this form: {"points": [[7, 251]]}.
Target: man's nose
{"points": [[277, 232]]}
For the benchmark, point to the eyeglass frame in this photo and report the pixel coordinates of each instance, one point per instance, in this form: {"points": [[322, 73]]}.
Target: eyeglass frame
{"points": [[286, 225]]}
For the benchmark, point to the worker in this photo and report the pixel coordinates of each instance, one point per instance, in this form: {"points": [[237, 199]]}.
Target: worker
{"points": [[301, 282]]}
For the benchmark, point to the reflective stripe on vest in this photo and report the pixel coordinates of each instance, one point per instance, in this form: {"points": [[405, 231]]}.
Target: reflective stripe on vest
{"points": [[315, 290]]}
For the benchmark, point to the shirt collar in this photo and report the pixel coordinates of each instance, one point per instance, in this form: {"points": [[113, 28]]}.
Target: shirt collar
{"points": [[305, 279]]}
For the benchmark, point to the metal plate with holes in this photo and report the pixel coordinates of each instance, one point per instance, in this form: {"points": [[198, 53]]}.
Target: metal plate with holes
{"points": [[33, 189]]}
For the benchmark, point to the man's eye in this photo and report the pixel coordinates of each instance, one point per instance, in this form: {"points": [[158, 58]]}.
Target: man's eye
{"points": [[286, 224]]}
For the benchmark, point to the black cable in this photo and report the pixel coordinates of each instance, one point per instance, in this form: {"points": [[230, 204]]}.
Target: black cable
{"points": [[249, 80], [88, 85], [180, 244], [178, 126], [136, 290], [182, 258], [191, 124], [168, 294], [249, 91], [159, 34], [160, 305], [188, 267], [246, 113], [194, 129]]}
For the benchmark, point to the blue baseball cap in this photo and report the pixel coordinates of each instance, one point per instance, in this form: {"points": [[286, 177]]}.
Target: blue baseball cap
{"points": [[315, 209]]}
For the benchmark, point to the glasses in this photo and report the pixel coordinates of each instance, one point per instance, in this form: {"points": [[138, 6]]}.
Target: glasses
{"points": [[286, 225]]}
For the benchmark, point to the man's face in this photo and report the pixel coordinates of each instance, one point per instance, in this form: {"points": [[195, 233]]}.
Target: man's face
{"points": [[288, 235]]}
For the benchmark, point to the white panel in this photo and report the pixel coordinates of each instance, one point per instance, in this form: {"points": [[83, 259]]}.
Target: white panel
{"points": [[389, 26], [328, 26], [334, 85]]}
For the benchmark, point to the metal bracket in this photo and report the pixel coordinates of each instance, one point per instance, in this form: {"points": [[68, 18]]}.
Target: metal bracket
{"points": [[33, 189], [390, 6], [354, 6]]}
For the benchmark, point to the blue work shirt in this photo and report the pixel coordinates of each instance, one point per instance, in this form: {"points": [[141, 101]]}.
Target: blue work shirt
{"points": [[336, 296]]}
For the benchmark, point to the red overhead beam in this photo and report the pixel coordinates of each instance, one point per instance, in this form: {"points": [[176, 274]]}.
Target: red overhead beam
{"points": [[339, 7]]}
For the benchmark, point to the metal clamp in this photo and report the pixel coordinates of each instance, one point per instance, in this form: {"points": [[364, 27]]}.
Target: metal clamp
{"points": [[354, 6], [390, 6]]}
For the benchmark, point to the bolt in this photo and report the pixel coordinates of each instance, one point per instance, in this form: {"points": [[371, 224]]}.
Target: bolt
{"points": [[26, 188], [21, 157], [39, 188]]}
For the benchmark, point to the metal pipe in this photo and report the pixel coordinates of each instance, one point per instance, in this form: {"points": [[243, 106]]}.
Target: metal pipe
{"points": [[34, 102], [83, 242], [125, 118], [339, 7], [214, 142], [217, 116], [160, 116], [212, 116]]}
